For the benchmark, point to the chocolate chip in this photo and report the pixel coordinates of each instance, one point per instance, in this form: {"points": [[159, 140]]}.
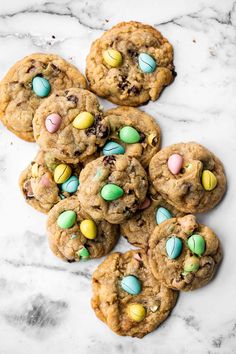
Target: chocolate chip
{"points": [[134, 89], [72, 98], [102, 131], [109, 160], [77, 153], [132, 53], [142, 137]]}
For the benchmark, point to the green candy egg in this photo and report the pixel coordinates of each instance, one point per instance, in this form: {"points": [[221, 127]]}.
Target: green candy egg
{"points": [[111, 192], [83, 253], [191, 264], [129, 135], [66, 219], [197, 244]]}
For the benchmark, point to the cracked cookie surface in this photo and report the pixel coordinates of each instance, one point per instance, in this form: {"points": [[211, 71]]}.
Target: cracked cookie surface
{"points": [[110, 301], [68, 143], [121, 170], [127, 84], [172, 271], [67, 243], [18, 102], [185, 190], [148, 129]]}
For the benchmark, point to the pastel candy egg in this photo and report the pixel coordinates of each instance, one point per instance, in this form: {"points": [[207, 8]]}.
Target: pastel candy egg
{"points": [[136, 312], [197, 244], [191, 264], [129, 135], [83, 253], [66, 219], [61, 173], [83, 120], [146, 63], [88, 229], [112, 57], [131, 285], [53, 122], [175, 163], [174, 247], [162, 214], [152, 139], [41, 86], [70, 185], [35, 170], [113, 148], [209, 180], [111, 192]]}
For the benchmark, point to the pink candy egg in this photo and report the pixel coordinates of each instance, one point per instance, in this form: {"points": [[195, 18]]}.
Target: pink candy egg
{"points": [[175, 163], [45, 181], [53, 122]]}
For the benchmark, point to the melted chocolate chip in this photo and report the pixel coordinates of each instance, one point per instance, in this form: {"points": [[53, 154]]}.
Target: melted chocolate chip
{"points": [[109, 160], [102, 131], [134, 89], [132, 53], [72, 98]]}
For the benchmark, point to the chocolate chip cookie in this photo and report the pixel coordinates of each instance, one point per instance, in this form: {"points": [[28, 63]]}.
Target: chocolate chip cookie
{"points": [[188, 176], [127, 297], [184, 254], [74, 236], [130, 64], [138, 229], [70, 125], [132, 132], [27, 83], [47, 180], [112, 187]]}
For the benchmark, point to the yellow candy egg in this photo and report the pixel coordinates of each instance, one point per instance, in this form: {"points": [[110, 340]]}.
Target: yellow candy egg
{"points": [[83, 120], [136, 312], [209, 180], [88, 229], [112, 57], [152, 139], [61, 173], [35, 170]]}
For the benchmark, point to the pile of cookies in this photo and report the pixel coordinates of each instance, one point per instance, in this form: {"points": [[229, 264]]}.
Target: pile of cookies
{"points": [[99, 174]]}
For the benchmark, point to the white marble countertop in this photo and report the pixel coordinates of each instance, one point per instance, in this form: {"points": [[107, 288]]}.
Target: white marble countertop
{"points": [[45, 303]]}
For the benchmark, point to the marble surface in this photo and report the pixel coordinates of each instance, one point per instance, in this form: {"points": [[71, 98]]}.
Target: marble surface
{"points": [[45, 303]]}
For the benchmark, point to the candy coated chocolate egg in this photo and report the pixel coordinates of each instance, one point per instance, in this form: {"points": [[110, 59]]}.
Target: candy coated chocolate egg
{"points": [[83, 253], [162, 214], [88, 229], [175, 163], [146, 63], [66, 219], [136, 312], [113, 148], [61, 173], [209, 180], [112, 57], [131, 285], [129, 135], [35, 170], [70, 185], [53, 122], [41, 86], [83, 120], [111, 192], [191, 264], [152, 140], [197, 244], [174, 247]]}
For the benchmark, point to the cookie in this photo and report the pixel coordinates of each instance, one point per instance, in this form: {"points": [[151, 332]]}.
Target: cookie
{"points": [[134, 131], [19, 98], [74, 236], [184, 254], [70, 125], [112, 187], [188, 176], [47, 180], [138, 229], [130, 64], [127, 297]]}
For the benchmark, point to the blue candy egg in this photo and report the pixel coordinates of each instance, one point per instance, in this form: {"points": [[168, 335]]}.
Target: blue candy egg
{"points": [[41, 86], [162, 214], [113, 148], [70, 185], [131, 285], [174, 247], [146, 63]]}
